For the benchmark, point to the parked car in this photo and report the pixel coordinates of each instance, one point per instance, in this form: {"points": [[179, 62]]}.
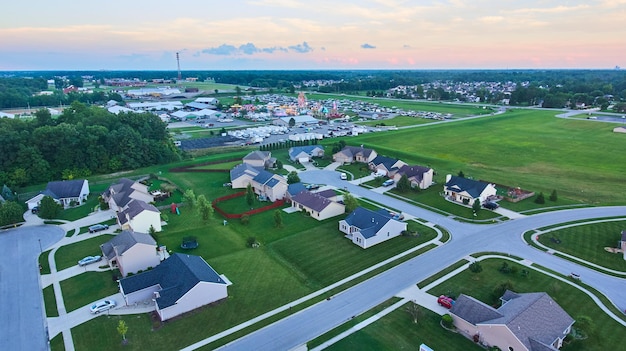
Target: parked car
{"points": [[34, 209], [343, 176], [89, 260], [98, 227], [490, 205], [312, 186], [445, 301], [388, 182], [102, 306]]}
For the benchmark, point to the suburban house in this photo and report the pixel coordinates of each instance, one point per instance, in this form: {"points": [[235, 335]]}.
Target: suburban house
{"points": [[330, 194], [367, 228], [530, 322], [351, 154], [385, 166], [466, 190], [304, 154], [265, 184], [121, 193], [139, 216], [260, 159], [131, 252], [178, 285], [318, 206], [419, 176], [294, 189], [65, 192]]}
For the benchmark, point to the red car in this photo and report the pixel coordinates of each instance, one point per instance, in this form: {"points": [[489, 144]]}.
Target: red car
{"points": [[445, 301]]}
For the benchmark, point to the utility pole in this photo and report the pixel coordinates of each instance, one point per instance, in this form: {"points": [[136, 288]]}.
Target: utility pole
{"points": [[178, 62]]}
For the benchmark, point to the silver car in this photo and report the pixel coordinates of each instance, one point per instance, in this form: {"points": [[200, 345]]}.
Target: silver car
{"points": [[101, 306]]}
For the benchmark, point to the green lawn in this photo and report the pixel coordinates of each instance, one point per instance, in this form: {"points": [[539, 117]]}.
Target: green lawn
{"points": [[88, 287], [603, 335], [588, 242], [43, 262], [68, 255], [530, 149], [72, 214], [50, 302], [398, 121], [396, 331], [357, 169]]}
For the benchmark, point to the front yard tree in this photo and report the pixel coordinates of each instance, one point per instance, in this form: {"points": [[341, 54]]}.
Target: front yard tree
{"points": [[350, 201], [461, 174], [249, 195], [205, 209], [292, 122], [415, 311], [10, 212], [540, 199], [189, 198], [49, 209], [122, 329], [404, 184], [279, 164], [475, 267], [476, 206], [293, 177], [553, 196], [278, 219]]}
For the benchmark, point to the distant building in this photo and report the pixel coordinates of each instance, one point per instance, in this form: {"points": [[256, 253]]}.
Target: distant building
{"points": [[367, 228], [467, 191], [66, 193]]}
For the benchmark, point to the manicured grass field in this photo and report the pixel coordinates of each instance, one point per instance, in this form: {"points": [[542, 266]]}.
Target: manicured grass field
{"points": [[86, 288], [396, 331], [50, 302], [43, 263], [588, 242], [398, 121], [602, 335], [358, 170], [530, 149], [72, 214], [68, 255]]}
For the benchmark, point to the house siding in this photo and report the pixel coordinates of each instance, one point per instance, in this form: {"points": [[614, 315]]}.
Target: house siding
{"points": [[140, 296], [138, 258], [142, 222], [200, 295]]}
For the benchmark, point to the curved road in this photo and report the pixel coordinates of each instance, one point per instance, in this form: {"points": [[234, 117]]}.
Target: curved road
{"points": [[21, 304], [467, 238]]}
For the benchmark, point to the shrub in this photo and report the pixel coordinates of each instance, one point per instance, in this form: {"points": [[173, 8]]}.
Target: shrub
{"points": [[245, 219], [540, 199], [475, 267], [553, 196], [446, 320]]}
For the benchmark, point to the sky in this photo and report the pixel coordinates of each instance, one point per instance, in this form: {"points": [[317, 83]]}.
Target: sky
{"points": [[314, 34]]}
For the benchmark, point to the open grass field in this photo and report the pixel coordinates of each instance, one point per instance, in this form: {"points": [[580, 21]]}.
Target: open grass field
{"points": [[588, 242], [602, 335], [398, 121], [457, 110], [525, 148], [68, 255], [50, 302], [86, 288], [72, 214]]}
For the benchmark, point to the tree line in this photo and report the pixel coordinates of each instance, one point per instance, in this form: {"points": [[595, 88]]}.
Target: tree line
{"points": [[80, 142]]}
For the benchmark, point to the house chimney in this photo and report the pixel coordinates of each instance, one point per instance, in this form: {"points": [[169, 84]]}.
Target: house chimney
{"points": [[448, 177]]}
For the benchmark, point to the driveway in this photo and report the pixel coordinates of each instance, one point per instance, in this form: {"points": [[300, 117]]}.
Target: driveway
{"points": [[22, 314]]}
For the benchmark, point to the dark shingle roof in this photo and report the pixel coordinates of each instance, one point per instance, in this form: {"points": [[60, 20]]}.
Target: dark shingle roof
{"points": [[121, 191], [416, 172], [258, 155], [124, 241], [313, 201], [368, 222], [352, 151], [534, 318], [388, 162], [295, 188], [134, 208], [242, 169], [308, 149], [176, 275], [328, 193], [64, 189], [472, 187]]}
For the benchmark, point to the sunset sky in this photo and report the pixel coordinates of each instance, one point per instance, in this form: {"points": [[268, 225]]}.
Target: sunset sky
{"points": [[319, 34]]}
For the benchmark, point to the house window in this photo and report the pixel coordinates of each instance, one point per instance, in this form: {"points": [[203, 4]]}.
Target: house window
{"points": [[510, 348]]}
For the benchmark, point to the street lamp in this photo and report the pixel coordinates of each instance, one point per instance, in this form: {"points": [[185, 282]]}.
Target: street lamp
{"points": [[40, 249]]}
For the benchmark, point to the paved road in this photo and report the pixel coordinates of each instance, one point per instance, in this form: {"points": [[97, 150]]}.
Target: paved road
{"points": [[505, 237], [21, 304]]}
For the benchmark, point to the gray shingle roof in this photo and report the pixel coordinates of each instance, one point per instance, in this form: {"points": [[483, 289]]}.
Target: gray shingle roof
{"points": [[472, 187], [534, 318], [176, 275], [121, 191], [416, 172], [242, 169], [308, 149], [134, 208], [313, 201], [328, 193], [368, 222], [295, 188], [124, 241], [64, 189], [388, 162], [258, 155]]}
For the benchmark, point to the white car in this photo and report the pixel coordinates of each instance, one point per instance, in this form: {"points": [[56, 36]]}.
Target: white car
{"points": [[101, 306], [89, 260], [343, 176]]}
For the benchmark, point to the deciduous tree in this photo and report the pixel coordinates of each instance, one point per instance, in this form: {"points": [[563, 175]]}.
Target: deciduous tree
{"points": [[205, 209]]}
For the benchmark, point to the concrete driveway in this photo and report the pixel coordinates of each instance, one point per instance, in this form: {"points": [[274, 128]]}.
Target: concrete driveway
{"points": [[21, 308]]}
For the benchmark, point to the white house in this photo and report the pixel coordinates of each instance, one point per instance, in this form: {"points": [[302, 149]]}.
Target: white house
{"points": [[131, 252], [66, 193], [524, 322], [318, 206], [260, 159], [124, 191], [265, 184], [419, 176], [467, 190], [178, 285], [386, 166], [139, 216], [367, 228], [304, 154]]}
